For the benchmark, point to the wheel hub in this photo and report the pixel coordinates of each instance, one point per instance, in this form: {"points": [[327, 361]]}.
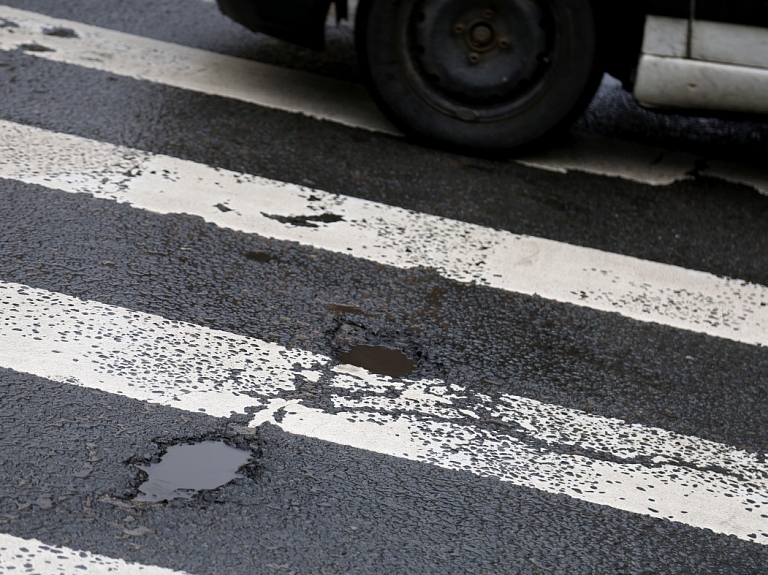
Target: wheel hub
{"points": [[478, 51], [480, 37]]}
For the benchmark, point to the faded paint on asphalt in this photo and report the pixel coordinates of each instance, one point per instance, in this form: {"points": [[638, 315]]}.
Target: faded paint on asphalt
{"points": [[638, 289], [600, 460]]}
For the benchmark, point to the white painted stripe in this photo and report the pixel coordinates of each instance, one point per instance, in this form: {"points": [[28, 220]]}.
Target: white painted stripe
{"points": [[635, 288], [193, 69], [639, 469], [617, 159], [19, 555], [309, 94]]}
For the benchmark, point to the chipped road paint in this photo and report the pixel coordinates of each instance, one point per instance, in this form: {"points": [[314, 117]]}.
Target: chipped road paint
{"points": [[318, 97], [19, 555], [638, 289], [605, 461]]}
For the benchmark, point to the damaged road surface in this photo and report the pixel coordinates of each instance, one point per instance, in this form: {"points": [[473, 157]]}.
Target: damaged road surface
{"points": [[246, 328], [639, 469], [186, 469], [310, 503]]}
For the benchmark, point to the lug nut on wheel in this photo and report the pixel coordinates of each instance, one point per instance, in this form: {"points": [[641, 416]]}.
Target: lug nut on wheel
{"points": [[473, 57]]}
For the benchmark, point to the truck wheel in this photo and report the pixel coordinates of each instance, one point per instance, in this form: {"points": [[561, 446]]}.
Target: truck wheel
{"points": [[479, 75]]}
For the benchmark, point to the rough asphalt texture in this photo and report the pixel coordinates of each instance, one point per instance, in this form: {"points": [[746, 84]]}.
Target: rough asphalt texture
{"points": [[182, 268], [699, 224], [312, 507], [306, 506]]}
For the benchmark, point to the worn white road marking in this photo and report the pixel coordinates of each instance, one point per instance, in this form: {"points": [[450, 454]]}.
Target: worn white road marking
{"points": [[19, 555], [310, 94], [191, 69], [626, 160], [605, 461], [635, 288]]}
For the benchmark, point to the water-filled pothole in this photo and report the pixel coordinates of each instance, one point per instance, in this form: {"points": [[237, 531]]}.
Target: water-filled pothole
{"points": [[187, 469], [378, 359]]}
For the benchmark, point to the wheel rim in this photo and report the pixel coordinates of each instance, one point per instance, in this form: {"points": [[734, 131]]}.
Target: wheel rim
{"points": [[477, 60]]}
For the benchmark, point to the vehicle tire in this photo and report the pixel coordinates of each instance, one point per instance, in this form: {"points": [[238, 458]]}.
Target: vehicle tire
{"points": [[479, 75]]}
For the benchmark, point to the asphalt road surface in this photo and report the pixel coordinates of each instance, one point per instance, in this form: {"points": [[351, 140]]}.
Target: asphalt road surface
{"points": [[435, 363]]}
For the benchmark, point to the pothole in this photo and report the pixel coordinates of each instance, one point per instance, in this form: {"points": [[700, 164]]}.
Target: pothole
{"points": [[376, 349], [378, 359], [189, 468]]}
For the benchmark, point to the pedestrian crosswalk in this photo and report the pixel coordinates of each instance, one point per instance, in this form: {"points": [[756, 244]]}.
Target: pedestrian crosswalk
{"points": [[194, 368], [642, 469], [638, 289]]}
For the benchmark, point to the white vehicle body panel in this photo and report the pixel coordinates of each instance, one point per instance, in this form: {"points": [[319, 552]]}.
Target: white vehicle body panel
{"points": [[703, 66], [729, 44], [666, 37], [685, 83]]}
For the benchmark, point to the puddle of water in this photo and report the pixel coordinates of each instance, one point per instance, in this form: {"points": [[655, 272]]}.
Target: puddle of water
{"points": [[379, 359], [186, 469]]}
